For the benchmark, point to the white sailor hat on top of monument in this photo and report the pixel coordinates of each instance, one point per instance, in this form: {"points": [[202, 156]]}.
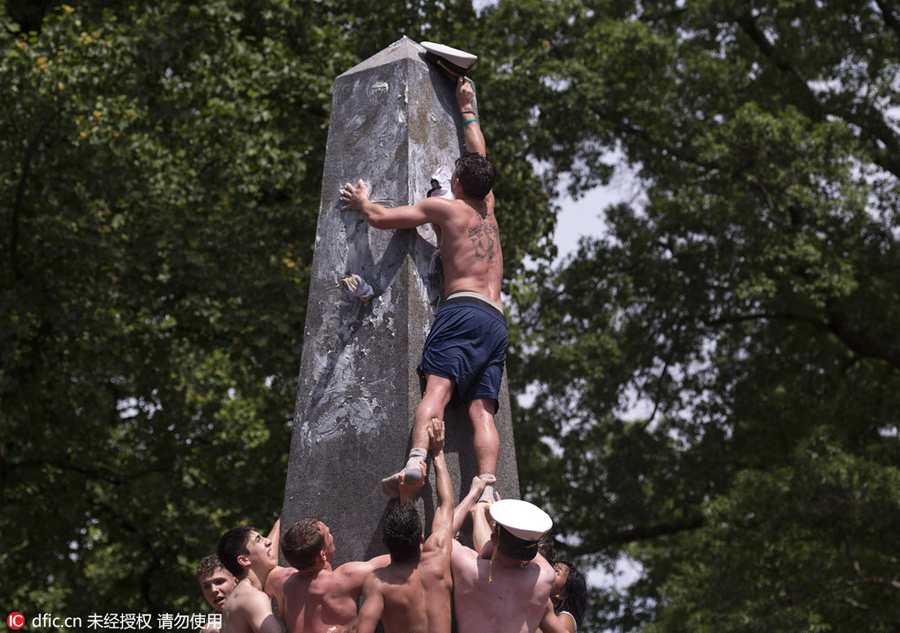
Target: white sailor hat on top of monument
{"points": [[451, 60], [522, 519]]}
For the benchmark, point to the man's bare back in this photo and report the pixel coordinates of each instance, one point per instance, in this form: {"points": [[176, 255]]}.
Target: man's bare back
{"points": [[467, 230], [416, 598], [312, 604], [470, 248], [513, 601], [509, 592], [316, 602]]}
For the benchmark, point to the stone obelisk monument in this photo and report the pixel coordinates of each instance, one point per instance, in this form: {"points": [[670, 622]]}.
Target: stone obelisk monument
{"points": [[394, 122]]}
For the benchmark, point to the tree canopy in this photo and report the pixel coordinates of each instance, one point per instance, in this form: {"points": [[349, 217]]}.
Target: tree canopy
{"points": [[160, 171], [719, 371], [713, 383]]}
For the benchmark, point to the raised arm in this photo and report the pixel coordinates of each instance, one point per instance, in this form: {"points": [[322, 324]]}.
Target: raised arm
{"points": [[442, 524], [481, 528], [465, 505], [275, 536], [465, 99]]}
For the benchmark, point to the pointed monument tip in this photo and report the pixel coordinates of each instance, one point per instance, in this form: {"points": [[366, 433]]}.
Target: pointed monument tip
{"points": [[404, 48], [453, 61]]}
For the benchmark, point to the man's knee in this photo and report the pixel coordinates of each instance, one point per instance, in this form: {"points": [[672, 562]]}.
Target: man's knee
{"points": [[439, 387]]}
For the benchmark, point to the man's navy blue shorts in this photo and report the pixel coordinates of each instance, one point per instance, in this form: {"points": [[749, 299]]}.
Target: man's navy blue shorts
{"points": [[467, 344]]}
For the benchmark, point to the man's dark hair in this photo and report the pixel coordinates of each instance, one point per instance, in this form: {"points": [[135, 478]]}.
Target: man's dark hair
{"points": [[403, 533], [475, 174], [233, 544], [208, 565], [574, 594], [547, 548], [301, 544]]}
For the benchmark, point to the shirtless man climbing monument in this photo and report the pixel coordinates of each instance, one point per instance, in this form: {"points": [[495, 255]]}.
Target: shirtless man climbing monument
{"points": [[466, 349]]}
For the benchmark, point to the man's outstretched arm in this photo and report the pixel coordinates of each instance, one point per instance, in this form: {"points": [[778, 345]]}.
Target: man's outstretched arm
{"points": [[382, 217], [275, 535], [465, 505], [442, 523], [481, 528], [465, 99]]}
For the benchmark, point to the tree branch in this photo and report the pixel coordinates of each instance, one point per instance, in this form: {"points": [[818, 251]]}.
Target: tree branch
{"points": [[2, 477], [836, 325], [657, 397], [741, 16], [18, 204], [105, 475], [888, 17], [860, 344], [874, 128], [647, 533], [854, 603]]}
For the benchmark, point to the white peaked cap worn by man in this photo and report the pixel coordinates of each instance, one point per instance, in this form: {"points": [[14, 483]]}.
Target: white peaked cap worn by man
{"points": [[522, 519], [452, 61]]}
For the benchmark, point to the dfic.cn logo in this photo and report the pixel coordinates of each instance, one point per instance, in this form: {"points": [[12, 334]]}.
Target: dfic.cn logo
{"points": [[15, 620]]}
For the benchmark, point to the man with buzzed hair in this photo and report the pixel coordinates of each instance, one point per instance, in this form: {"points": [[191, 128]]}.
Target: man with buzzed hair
{"points": [[249, 557], [413, 593], [316, 597]]}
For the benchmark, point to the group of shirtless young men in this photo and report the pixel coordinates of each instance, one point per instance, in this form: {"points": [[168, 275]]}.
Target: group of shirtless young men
{"points": [[500, 584]]}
